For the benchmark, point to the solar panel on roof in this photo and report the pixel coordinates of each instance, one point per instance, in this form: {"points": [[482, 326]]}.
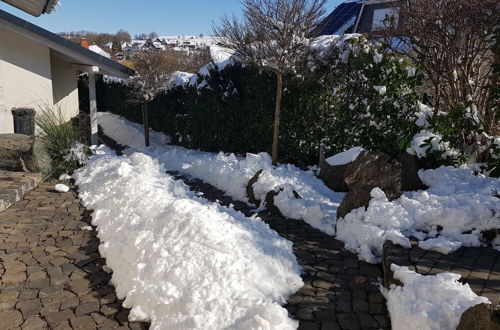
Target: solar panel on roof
{"points": [[341, 19]]}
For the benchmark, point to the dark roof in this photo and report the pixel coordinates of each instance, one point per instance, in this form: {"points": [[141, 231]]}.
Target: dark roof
{"points": [[341, 15], [68, 48]]}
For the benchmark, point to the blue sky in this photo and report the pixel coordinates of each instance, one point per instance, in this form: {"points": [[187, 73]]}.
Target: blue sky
{"points": [[166, 17]]}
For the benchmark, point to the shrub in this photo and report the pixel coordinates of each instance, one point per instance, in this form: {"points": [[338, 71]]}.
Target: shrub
{"points": [[372, 97], [61, 139]]}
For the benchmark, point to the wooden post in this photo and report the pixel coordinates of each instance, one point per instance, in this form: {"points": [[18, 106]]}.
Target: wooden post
{"points": [[93, 109], [277, 117], [145, 120]]}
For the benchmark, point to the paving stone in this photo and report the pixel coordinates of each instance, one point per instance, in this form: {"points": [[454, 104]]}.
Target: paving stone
{"points": [[348, 321], [84, 322], [87, 308], [8, 300], [10, 278], [34, 323], [309, 326], [366, 321], [10, 319], [382, 321], [29, 307], [56, 318], [305, 314]]}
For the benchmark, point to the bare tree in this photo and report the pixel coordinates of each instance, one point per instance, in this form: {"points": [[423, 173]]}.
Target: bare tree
{"points": [[154, 70], [274, 34], [452, 41]]}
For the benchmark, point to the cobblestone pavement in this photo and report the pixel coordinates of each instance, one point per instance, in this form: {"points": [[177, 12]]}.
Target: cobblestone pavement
{"points": [[51, 272], [339, 292], [479, 267], [14, 185]]}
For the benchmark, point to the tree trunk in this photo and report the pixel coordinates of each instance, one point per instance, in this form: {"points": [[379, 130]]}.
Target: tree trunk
{"points": [[277, 116], [145, 120]]}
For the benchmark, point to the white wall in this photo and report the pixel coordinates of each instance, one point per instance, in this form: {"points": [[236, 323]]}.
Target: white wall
{"points": [[33, 78], [26, 76], [64, 87]]}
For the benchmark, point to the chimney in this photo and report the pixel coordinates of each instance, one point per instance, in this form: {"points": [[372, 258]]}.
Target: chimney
{"points": [[84, 43]]}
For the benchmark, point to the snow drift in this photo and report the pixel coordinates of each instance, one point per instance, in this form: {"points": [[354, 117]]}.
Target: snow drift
{"points": [[433, 302], [179, 261], [457, 201]]}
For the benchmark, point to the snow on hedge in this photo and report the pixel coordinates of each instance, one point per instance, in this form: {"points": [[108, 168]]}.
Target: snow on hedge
{"points": [[433, 302], [458, 201], [231, 174], [180, 261]]}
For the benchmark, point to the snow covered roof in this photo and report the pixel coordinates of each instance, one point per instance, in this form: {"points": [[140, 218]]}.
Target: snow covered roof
{"points": [[99, 50], [34, 7]]}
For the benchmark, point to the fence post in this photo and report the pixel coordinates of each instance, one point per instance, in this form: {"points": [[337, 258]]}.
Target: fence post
{"points": [[145, 120], [321, 153]]}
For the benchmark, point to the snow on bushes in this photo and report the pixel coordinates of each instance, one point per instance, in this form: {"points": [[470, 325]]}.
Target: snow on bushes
{"points": [[231, 174], [433, 302], [180, 261], [371, 97], [450, 214]]}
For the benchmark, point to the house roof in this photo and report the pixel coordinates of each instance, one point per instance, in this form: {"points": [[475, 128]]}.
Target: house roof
{"points": [[344, 17], [34, 7], [63, 48]]}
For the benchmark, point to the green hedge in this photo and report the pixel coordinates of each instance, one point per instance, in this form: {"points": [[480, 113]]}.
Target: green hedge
{"points": [[234, 109]]}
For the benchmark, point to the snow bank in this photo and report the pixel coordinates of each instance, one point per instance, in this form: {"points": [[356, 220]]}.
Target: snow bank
{"points": [[127, 133], [428, 302], [459, 202], [231, 174], [345, 157], [180, 261]]}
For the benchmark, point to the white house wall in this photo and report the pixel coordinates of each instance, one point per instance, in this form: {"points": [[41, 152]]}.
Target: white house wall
{"points": [[31, 77], [64, 87], [26, 76]]}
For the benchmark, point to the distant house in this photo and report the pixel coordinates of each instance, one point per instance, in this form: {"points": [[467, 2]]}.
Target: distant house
{"points": [[39, 69], [358, 16]]}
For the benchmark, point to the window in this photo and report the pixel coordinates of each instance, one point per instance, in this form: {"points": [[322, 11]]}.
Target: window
{"points": [[379, 15]]}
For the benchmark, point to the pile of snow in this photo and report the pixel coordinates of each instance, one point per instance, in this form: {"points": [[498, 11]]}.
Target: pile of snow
{"points": [[428, 302], [345, 157], [180, 261], [457, 200], [231, 174], [127, 133]]}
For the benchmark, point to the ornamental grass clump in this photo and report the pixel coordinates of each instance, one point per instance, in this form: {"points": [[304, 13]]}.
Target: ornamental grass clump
{"points": [[63, 140]]}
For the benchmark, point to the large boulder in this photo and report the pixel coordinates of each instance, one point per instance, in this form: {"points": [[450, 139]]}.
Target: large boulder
{"points": [[368, 171], [21, 153], [410, 165], [480, 317], [332, 170], [333, 176]]}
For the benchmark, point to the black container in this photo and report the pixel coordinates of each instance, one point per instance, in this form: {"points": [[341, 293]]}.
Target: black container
{"points": [[24, 121]]}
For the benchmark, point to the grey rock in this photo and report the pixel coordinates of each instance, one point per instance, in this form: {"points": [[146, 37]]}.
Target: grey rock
{"points": [[250, 193], [368, 171], [480, 317], [333, 176]]}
